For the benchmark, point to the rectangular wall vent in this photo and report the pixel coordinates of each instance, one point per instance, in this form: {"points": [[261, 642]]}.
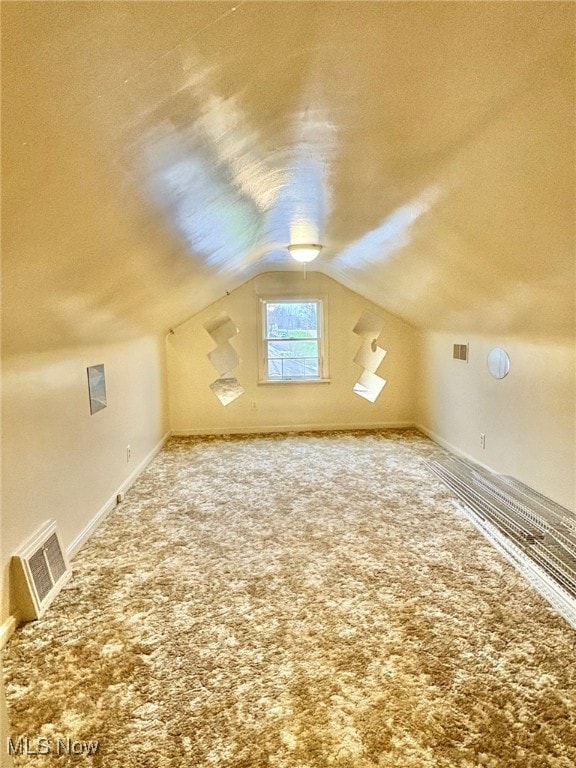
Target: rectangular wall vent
{"points": [[40, 570], [460, 352]]}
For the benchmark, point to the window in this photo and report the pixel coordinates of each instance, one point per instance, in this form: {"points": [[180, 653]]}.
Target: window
{"points": [[292, 344]]}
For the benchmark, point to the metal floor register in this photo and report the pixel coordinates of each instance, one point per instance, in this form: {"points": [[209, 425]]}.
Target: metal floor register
{"points": [[537, 535]]}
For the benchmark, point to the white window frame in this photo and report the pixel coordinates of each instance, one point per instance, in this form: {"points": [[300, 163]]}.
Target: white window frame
{"points": [[321, 302]]}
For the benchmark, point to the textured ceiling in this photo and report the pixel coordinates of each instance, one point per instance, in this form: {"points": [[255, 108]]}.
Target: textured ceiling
{"points": [[159, 154]]}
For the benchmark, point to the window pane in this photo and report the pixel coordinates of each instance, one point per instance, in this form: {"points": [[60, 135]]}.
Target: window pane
{"points": [[312, 367], [291, 319], [284, 348], [290, 368], [274, 369], [289, 359]]}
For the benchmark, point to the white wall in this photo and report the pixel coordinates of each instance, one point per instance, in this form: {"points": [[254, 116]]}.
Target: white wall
{"points": [[528, 417], [195, 409], [60, 462]]}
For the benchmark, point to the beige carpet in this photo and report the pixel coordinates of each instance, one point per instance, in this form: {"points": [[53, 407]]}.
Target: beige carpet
{"points": [[296, 602]]}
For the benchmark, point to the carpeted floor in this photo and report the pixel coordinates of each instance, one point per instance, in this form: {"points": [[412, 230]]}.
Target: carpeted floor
{"points": [[297, 601]]}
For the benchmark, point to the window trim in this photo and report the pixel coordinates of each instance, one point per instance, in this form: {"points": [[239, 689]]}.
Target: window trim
{"points": [[322, 302]]}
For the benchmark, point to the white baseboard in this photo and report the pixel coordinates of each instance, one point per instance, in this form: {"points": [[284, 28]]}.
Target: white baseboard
{"points": [[452, 448], [265, 429], [7, 629], [109, 505]]}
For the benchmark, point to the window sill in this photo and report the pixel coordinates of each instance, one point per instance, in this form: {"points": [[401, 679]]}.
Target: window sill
{"points": [[294, 381]]}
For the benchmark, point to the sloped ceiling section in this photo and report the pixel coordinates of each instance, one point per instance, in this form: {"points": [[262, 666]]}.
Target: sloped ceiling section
{"points": [[157, 155]]}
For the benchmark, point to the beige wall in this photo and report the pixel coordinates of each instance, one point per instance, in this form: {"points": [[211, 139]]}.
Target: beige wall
{"points": [[59, 462], [528, 417], [195, 409], [5, 759]]}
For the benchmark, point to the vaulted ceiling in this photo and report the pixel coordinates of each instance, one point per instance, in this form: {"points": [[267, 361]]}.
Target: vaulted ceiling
{"points": [[159, 154]]}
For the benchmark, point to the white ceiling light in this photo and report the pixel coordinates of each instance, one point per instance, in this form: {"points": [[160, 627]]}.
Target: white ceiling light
{"points": [[304, 252]]}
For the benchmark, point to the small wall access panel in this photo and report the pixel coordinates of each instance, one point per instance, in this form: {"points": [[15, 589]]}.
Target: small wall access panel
{"points": [[460, 352], [369, 356], [40, 570], [224, 358]]}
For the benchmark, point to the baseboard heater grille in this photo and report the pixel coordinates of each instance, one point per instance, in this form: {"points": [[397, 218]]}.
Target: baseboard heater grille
{"points": [[537, 535], [40, 569]]}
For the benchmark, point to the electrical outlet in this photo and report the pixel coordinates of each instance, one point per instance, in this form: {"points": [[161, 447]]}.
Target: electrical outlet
{"points": [[482, 440], [254, 405], [128, 453]]}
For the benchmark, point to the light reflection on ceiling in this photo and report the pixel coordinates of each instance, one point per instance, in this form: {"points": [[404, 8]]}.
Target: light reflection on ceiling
{"points": [[391, 236], [176, 149], [300, 211], [216, 221], [230, 207]]}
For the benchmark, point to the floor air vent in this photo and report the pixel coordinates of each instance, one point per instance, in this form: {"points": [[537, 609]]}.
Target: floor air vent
{"points": [[537, 535], [40, 570]]}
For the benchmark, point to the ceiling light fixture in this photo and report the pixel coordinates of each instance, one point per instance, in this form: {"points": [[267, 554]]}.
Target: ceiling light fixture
{"points": [[304, 252]]}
